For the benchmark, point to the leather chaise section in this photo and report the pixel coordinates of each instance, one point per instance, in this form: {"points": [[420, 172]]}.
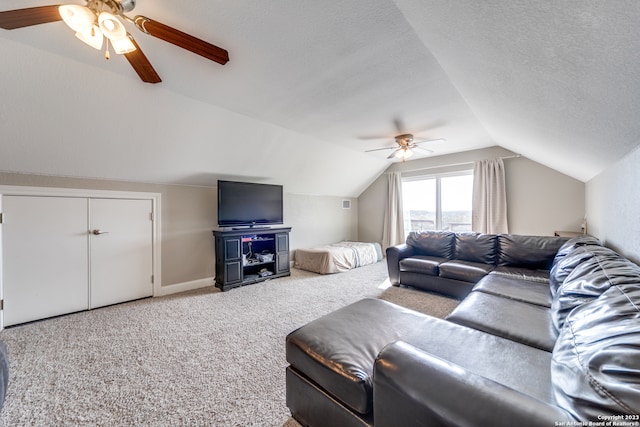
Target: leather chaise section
{"points": [[337, 351], [532, 292], [522, 273], [518, 321], [415, 388]]}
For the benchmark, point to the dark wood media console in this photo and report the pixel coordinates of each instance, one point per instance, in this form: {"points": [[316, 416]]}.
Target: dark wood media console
{"points": [[250, 255]]}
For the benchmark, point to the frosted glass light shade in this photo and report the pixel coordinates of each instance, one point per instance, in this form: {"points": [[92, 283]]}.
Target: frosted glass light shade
{"points": [[405, 153], [93, 37], [78, 18], [111, 27], [123, 45]]}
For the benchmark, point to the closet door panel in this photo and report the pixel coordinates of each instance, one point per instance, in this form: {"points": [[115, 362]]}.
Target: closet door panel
{"points": [[45, 258], [121, 255]]}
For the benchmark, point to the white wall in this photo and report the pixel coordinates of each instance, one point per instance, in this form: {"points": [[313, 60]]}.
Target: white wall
{"points": [[540, 200], [613, 206], [189, 214], [318, 220]]}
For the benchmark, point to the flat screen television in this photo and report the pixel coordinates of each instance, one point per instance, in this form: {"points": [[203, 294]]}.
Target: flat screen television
{"points": [[242, 204]]}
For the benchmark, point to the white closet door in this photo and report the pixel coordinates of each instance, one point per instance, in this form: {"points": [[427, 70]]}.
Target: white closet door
{"points": [[121, 257], [45, 259]]}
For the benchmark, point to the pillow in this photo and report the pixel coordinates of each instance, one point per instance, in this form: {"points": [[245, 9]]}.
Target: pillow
{"points": [[564, 264], [476, 247], [535, 252], [595, 365], [574, 243], [589, 279], [433, 243]]}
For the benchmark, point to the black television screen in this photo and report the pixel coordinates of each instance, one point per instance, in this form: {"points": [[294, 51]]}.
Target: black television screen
{"points": [[249, 204]]}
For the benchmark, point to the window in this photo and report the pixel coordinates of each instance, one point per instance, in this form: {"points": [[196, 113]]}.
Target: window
{"points": [[438, 202]]}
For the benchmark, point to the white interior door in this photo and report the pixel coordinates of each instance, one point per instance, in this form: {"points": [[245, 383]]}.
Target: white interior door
{"points": [[45, 258], [121, 256]]}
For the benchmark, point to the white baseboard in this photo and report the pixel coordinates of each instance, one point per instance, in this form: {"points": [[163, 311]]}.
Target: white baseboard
{"points": [[184, 286]]}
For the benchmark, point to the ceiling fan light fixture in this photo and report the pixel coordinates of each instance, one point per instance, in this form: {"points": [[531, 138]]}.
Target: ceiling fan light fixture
{"points": [[123, 45], [111, 26], [404, 153], [93, 37], [78, 18]]}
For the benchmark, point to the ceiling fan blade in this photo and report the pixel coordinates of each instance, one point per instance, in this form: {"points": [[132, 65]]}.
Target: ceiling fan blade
{"points": [[18, 18], [141, 64], [372, 137], [397, 122], [422, 149], [429, 141], [392, 155], [380, 149], [183, 40]]}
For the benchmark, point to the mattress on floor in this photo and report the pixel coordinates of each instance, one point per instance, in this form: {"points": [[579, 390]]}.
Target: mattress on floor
{"points": [[338, 257]]}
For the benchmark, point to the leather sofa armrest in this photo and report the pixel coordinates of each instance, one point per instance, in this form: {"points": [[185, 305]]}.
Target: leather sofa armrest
{"points": [[415, 388], [394, 255]]}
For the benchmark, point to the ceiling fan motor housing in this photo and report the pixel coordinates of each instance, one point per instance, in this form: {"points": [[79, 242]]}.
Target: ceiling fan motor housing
{"points": [[404, 139], [126, 5]]}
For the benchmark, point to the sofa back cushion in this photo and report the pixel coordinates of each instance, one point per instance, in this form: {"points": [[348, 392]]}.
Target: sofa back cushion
{"points": [[573, 244], [433, 243], [595, 366], [600, 269], [564, 264], [535, 252], [476, 247]]}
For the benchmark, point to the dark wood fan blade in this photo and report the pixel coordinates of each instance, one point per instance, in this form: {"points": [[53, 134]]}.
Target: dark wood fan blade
{"points": [[183, 40], [18, 18], [397, 122], [141, 64]]}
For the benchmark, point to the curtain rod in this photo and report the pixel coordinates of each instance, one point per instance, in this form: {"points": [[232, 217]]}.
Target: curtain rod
{"points": [[453, 164]]}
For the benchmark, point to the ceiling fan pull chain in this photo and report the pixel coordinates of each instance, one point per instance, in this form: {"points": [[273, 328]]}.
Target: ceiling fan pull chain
{"points": [[107, 55]]}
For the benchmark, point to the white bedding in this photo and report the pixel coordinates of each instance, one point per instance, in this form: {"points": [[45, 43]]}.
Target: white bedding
{"points": [[338, 257]]}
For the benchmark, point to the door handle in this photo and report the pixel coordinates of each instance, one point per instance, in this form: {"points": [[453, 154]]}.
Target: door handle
{"points": [[98, 232]]}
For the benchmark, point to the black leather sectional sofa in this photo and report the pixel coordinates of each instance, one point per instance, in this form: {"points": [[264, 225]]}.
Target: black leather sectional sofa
{"points": [[553, 338]]}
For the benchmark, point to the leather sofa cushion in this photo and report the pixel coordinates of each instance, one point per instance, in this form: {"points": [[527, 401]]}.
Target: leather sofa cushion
{"points": [[338, 351], [477, 247], [563, 266], [465, 271], [521, 367], [590, 279], [596, 362], [528, 291], [573, 244], [535, 252], [421, 264], [433, 243], [522, 273], [518, 321]]}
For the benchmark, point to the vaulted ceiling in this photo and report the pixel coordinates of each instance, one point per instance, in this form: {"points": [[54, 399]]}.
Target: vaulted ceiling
{"points": [[310, 84]]}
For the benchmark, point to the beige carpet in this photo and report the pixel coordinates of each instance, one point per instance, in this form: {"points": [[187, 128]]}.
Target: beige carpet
{"points": [[201, 358]]}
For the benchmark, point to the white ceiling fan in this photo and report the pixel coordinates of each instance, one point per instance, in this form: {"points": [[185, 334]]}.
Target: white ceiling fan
{"points": [[406, 143]]}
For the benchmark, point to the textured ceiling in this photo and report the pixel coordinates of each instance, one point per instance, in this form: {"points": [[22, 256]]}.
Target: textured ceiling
{"points": [[309, 84]]}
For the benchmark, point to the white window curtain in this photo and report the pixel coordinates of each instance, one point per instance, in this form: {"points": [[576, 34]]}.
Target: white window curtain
{"points": [[393, 228], [489, 197]]}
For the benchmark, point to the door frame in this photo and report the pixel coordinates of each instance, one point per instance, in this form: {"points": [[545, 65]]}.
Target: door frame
{"points": [[156, 200]]}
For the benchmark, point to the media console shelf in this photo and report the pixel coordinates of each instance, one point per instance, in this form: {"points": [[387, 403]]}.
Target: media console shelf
{"points": [[250, 255]]}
